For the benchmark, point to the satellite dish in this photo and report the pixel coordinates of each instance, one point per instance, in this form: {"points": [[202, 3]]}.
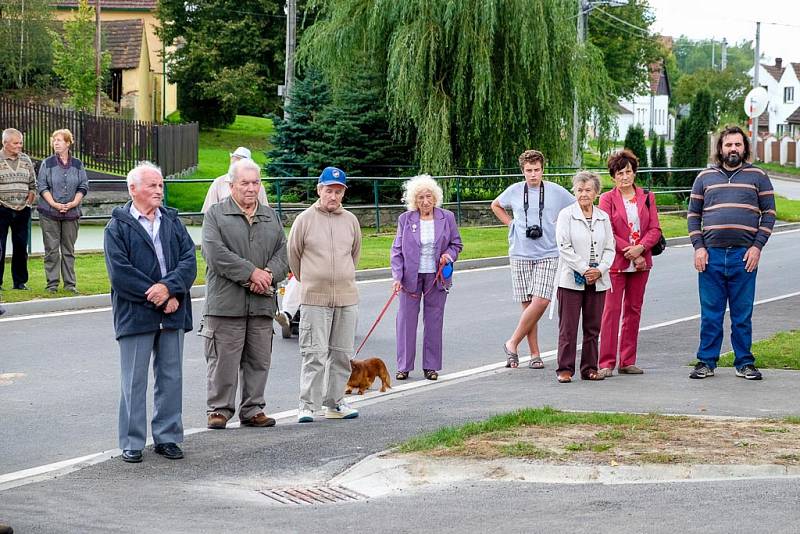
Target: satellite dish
{"points": [[755, 103]]}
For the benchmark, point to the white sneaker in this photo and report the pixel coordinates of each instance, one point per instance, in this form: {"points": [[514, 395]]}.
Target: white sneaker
{"points": [[283, 318], [342, 411], [304, 415]]}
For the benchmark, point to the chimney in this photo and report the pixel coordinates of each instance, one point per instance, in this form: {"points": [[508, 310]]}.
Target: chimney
{"points": [[778, 62]]}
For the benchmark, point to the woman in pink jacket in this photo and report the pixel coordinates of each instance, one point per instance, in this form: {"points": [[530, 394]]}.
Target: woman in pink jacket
{"points": [[634, 220]]}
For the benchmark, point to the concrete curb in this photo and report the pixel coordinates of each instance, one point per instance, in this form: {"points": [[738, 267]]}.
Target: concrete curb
{"points": [[382, 474], [40, 306]]}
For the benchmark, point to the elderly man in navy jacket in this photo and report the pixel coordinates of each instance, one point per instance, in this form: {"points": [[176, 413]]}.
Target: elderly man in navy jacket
{"points": [[151, 264]]}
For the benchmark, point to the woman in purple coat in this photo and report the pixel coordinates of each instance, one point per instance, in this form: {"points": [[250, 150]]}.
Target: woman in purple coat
{"points": [[427, 240]]}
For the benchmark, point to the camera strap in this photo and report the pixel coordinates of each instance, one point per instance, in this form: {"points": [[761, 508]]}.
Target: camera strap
{"points": [[541, 202]]}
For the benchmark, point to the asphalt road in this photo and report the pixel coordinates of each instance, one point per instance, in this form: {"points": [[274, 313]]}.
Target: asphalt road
{"points": [[217, 487], [65, 403]]}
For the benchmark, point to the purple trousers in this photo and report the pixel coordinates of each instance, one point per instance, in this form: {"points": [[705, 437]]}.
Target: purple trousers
{"points": [[432, 320]]}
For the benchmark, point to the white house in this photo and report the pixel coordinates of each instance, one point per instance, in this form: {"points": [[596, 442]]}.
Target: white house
{"points": [[649, 110], [782, 83]]}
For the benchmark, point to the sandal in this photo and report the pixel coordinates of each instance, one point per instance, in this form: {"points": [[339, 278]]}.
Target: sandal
{"points": [[564, 377], [401, 375], [594, 375], [536, 362], [430, 374], [512, 358]]}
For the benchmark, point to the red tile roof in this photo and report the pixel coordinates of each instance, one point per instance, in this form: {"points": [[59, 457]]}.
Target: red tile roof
{"points": [[123, 39], [774, 71], [149, 5], [794, 118]]}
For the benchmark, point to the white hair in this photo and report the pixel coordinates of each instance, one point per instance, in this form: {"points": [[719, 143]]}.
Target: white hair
{"points": [[584, 177], [237, 167], [135, 174], [423, 182], [8, 133]]}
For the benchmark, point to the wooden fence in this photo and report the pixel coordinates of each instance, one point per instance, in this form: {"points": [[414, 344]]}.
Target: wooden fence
{"points": [[105, 144]]}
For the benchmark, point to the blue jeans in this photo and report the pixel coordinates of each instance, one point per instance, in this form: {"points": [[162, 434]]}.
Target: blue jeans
{"points": [[726, 282]]}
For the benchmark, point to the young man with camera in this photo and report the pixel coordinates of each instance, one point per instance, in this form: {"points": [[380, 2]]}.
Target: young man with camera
{"points": [[535, 205]]}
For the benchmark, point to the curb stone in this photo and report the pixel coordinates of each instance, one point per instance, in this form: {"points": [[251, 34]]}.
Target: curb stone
{"points": [[381, 474], [38, 306]]}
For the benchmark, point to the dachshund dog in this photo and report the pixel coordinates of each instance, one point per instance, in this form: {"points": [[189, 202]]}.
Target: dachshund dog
{"points": [[363, 374]]}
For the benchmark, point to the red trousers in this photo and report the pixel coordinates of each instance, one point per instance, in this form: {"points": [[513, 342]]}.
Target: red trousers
{"points": [[624, 299], [574, 306]]}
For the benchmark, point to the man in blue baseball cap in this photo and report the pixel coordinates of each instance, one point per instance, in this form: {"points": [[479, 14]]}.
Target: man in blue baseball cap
{"points": [[324, 247]]}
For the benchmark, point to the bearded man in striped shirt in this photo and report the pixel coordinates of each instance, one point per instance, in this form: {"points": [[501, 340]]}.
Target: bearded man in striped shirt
{"points": [[730, 219]]}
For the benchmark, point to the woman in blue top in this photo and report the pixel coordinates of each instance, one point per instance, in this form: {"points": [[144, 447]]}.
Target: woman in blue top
{"points": [[62, 185]]}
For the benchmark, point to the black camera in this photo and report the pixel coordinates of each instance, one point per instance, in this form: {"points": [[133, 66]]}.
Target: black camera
{"points": [[533, 232]]}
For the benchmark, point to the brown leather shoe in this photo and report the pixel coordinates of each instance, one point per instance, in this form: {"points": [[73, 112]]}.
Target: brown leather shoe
{"points": [[630, 370], [564, 377], [217, 421], [259, 420]]}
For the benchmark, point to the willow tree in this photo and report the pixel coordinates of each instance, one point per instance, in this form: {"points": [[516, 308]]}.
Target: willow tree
{"points": [[475, 81]]}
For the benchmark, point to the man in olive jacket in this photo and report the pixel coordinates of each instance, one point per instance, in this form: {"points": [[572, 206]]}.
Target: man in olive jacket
{"points": [[245, 250]]}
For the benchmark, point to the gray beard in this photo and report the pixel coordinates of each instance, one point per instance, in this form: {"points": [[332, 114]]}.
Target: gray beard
{"points": [[733, 160]]}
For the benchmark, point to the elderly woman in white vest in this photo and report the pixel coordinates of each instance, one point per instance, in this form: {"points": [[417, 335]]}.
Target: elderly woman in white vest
{"points": [[586, 251]]}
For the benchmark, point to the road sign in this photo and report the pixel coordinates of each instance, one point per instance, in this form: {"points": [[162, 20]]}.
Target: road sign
{"points": [[755, 103]]}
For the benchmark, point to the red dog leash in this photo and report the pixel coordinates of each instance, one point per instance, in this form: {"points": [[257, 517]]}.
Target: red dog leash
{"points": [[380, 316], [439, 278]]}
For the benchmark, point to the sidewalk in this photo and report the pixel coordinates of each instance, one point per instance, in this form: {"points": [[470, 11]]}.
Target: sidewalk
{"points": [[217, 487]]}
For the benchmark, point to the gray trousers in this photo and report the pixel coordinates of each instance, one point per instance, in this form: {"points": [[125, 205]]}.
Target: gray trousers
{"points": [[327, 336], [59, 251], [237, 349], [166, 347]]}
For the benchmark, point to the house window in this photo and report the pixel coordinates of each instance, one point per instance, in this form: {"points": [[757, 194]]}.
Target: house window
{"points": [[782, 129], [113, 86], [788, 95]]}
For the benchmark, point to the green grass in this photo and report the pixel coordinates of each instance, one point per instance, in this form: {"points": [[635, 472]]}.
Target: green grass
{"points": [[781, 351], [216, 144], [780, 169], [455, 436], [523, 449], [788, 210]]}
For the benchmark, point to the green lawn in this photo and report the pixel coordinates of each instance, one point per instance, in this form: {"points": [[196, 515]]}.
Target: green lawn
{"points": [[216, 144], [780, 169], [781, 351]]}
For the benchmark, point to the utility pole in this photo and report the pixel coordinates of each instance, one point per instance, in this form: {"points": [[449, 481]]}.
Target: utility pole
{"points": [[754, 133], [97, 57], [576, 152], [724, 55], [713, 55], [21, 44], [291, 37]]}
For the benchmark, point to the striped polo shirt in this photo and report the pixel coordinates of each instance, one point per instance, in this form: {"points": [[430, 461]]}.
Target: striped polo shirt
{"points": [[735, 211]]}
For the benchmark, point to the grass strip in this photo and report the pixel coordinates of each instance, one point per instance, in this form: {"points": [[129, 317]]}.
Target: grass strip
{"points": [[781, 351], [455, 436]]}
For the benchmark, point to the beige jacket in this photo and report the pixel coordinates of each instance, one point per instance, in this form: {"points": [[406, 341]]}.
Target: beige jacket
{"points": [[323, 253]]}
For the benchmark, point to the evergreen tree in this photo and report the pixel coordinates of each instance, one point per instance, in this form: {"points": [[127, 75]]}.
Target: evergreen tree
{"points": [[654, 151], [355, 136], [691, 141], [290, 138], [74, 58], [661, 159], [634, 141]]}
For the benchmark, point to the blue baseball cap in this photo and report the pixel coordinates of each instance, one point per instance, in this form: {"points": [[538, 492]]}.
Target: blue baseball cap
{"points": [[332, 176]]}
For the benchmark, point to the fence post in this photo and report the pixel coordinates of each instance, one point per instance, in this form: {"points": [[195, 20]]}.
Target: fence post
{"points": [[278, 193], [375, 190], [458, 200]]}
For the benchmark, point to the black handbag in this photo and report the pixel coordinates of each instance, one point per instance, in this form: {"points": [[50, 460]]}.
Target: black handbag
{"points": [[659, 247]]}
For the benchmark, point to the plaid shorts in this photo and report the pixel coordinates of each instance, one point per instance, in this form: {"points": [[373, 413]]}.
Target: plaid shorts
{"points": [[533, 278]]}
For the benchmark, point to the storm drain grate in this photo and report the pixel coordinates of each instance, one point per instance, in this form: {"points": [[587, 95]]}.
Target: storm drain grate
{"points": [[312, 495]]}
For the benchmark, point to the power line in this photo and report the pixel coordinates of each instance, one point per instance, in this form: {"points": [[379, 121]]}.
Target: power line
{"points": [[623, 30], [635, 27]]}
